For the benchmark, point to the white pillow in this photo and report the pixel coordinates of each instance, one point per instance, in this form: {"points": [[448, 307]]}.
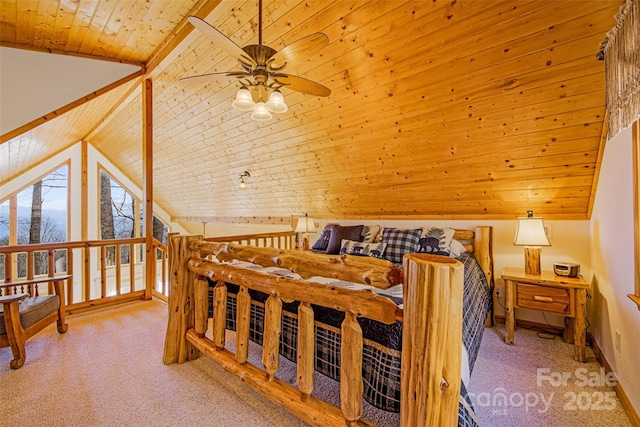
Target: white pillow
{"points": [[457, 249]]}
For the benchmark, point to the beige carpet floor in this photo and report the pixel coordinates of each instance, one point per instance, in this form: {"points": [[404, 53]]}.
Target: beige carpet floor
{"points": [[541, 383], [107, 370]]}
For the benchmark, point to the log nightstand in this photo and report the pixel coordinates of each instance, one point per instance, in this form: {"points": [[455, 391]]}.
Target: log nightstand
{"points": [[548, 292]]}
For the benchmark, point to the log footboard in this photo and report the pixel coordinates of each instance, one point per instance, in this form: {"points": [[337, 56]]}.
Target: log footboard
{"points": [[431, 340]]}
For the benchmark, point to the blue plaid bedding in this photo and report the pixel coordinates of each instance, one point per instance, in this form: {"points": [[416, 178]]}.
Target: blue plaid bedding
{"points": [[382, 343]]}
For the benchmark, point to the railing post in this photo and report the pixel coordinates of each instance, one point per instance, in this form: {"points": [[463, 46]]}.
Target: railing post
{"points": [[51, 268], [431, 340], [119, 271], [181, 302], [69, 290], [86, 273], [103, 271], [132, 267]]}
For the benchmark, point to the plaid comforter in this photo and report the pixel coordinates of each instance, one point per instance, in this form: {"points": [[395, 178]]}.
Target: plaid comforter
{"points": [[382, 344]]}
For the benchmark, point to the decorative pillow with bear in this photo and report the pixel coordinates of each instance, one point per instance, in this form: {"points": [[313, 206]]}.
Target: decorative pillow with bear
{"points": [[369, 233], [351, 247], [339, 233], [323, 241], [436, 241], [400, 242]]}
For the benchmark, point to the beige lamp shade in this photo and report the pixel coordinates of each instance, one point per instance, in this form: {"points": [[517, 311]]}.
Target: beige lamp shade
{"points": [[305, 225], [530, 232]]}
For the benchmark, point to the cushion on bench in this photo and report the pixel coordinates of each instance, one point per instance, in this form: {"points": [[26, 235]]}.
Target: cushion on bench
{"points": [[32, 309]]}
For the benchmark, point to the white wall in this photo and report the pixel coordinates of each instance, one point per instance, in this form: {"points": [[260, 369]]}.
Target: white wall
{"points": [[613, 266]]}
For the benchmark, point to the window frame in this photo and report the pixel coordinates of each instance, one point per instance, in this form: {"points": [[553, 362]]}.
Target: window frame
{"points": [[635, 142]]}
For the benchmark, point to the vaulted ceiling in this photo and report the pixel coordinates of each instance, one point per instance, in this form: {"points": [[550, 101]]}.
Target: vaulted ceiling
{"points": [[439, 109]]}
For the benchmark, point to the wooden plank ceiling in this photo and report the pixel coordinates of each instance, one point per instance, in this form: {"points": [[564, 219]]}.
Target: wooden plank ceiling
{"points": [[439, 109]]}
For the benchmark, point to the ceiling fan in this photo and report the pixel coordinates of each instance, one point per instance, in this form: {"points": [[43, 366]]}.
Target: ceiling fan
{"points": [[262, 69]]}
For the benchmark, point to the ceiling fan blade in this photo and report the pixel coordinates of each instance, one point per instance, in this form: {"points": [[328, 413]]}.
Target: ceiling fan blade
{"points": [[300, 48], [300, 84], [214, 76], [222, 41]]}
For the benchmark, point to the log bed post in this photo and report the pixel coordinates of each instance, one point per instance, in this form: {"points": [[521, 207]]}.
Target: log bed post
{"points": [[431, 340], [483, 252], [181, 302]]}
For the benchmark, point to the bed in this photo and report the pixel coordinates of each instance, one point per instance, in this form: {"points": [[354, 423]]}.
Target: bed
{"points": [[337, 325]]}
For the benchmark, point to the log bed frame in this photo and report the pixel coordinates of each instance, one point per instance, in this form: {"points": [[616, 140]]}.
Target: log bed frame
{"points": [[432, 319]]}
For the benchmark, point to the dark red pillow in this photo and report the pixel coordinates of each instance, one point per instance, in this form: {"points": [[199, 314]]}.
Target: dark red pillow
{"points": [[338, 233]]}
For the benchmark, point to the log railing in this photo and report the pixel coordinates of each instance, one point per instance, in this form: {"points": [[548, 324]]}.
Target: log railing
{"points": [[111, 270], [432, 326]]}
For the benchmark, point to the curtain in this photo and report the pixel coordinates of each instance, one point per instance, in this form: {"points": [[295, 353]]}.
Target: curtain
{"points": [[621, 53]]}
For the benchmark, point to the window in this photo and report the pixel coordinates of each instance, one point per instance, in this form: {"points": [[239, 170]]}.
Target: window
{"points": [[160, 232], [117, 216], [41, 217], [4, 233]]}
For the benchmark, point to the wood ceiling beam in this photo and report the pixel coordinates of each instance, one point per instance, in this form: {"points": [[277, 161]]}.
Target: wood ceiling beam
{"points": [[201, 9], [147, 186], [75, 54], [269, 220], [600, 155]]}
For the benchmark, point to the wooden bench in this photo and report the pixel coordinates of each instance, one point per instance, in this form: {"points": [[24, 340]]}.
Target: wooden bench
{"points": [[23, 315]]}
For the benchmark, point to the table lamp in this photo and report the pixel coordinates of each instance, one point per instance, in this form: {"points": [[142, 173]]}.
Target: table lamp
{"points": [[305, 225], [530, 234]]}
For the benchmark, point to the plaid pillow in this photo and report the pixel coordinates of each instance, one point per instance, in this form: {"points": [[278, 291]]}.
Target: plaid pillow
{"points": [[400, 242]]}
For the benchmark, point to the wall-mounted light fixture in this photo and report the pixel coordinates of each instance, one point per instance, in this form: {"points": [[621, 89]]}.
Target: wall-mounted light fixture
{"points": [[243, 182]]}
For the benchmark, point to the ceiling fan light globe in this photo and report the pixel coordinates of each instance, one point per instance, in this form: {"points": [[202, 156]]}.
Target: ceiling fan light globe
{"points": [[276, 103], [243, 101], [261, 113]]}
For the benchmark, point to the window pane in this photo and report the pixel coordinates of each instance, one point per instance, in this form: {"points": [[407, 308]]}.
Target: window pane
{"points": [[42, 217], [4, 223], [4, 233], [116, 210]]}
